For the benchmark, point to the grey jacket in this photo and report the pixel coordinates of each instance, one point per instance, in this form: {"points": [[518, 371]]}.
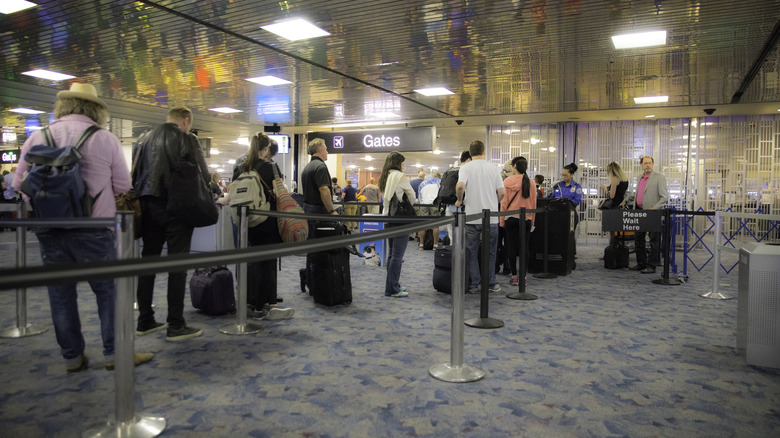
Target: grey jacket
{"points": [[655, 195]]}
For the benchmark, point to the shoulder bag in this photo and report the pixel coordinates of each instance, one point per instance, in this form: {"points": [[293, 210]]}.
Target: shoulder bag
{"points": [[189, 196], [290, 229]]}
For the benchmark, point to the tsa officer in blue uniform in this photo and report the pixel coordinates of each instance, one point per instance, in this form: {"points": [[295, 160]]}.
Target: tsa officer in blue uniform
{"points": [[567, 187]]}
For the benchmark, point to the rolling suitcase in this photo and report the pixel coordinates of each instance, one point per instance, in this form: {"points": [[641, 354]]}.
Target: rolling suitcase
{"points": [[211, 291], [442, 270], [328, 276], [616, 257]]}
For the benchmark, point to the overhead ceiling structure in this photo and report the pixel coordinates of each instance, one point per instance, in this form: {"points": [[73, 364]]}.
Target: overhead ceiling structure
{"points": [[521, 60]]}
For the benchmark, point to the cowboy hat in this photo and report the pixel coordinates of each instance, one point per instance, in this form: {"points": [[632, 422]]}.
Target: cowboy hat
{"points": [[82, 91]]}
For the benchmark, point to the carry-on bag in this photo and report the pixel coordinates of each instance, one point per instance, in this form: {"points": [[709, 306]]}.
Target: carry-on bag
{"points": [[616, 257], [442, 270], [211, 290], [328, 276]]}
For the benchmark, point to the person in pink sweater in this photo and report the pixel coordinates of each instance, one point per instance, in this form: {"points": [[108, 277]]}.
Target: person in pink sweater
{"points": [[520, 192]]}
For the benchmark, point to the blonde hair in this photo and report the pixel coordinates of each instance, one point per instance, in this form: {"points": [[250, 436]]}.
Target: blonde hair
{"points": [[179, 113], [74, 105], [614, 169]]}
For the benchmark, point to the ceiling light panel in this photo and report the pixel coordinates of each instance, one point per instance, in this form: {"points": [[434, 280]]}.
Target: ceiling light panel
{"points": [[642, 39], [651, 99], [434, 91], [47, 74], [294, 30], [11, 6], [268, 80], [225, 110], [25, 111]]}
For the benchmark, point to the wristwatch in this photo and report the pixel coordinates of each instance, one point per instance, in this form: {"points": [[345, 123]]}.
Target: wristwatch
{"points": [[331, 212]]}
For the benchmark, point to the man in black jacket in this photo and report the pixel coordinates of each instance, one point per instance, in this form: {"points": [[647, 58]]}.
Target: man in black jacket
{"points": [[160, 149]]}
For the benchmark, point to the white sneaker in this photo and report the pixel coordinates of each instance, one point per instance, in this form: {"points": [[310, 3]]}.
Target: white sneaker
{"points": [[495, 288], [276, 313]]}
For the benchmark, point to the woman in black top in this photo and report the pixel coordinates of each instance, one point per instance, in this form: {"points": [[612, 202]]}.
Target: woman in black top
{"points": [[616, 190], [261, 276]]}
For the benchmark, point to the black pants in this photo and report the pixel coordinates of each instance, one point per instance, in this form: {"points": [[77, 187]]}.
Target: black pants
{"points": [[312, 209], [261, 276], [159, 228], [512, 229], [641, 249]]}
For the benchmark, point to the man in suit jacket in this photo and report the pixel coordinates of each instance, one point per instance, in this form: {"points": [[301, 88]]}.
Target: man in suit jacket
{"points": [[651, 194]]}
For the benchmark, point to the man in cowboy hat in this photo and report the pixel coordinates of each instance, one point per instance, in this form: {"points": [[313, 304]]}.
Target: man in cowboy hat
{"points": [[157, 152], [104, 171]]}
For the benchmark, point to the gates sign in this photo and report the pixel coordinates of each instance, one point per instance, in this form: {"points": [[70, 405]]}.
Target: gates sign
{"points": [[378, 141]]}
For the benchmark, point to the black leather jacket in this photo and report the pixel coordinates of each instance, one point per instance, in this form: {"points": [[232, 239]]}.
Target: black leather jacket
{"points": [[157, 152]]}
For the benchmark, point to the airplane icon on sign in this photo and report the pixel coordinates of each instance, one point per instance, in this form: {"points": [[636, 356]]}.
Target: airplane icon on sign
{"points": [[338, 142]]}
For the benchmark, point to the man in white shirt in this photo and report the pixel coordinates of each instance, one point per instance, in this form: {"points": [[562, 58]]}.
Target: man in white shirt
{"points": [[480, 187]]}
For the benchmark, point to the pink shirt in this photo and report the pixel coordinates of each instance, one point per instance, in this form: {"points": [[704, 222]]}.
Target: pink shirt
{"points": [[640, 189], [103, 166]]}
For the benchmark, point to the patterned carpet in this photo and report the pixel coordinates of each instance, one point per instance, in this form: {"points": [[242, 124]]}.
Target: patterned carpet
{"points": [[601, 353]]}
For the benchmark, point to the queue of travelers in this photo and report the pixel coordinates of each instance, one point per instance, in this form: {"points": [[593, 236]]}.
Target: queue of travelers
{"points": [[478, 185]]}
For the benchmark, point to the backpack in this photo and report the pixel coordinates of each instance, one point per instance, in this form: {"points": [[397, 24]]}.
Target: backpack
{"points": [[446, 195], [246, 190], [54, 182]]}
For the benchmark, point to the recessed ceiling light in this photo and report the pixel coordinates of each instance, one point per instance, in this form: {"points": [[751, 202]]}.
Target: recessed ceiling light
{"points": [[26, 111], [293, 30], [651, 99], [268, 80], [370, 168], [649, 116], [438, 151], [225, 110], [511, 121], [231, 161], [368, 158], [418, 165], [11, 6], [46, 74], [215, 151], [435, 91], [642, 39], [385, 115], [352, 166]]}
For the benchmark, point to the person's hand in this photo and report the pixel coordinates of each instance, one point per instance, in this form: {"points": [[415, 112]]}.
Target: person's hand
{"points": [[623, 205], [603, 187], [533, 227], [458, 204], [334, 212]]}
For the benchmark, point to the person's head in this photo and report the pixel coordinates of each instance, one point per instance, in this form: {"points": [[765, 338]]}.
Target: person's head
{"points": [[436, 174], [520, 165], [13, 169], [258, 148], [539, 179], [465, 157], [5, 172], [334, 180], [372, 181], [614, 169], [317, 148], [508, 170], [348, 182], [647, 163], [476, 149], [181, 116], [81, 99], [394, 161], [368, 249], [421, 173], [273, 149], [215, 178], [567, 173]]}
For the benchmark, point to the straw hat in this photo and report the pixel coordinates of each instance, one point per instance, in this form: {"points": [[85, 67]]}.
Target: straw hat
{"points": [[82, 91]]}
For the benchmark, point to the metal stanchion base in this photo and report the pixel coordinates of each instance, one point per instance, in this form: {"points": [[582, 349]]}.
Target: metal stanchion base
{"points": [[140, 427], [459, 374], [236, 329], [486, 323], [669, 282], [716, 295], [525, 296], [545, 275], [21, 332]]}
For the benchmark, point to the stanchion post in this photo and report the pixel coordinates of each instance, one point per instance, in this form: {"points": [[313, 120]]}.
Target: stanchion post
{"points": [[545, 273], [522, 269], [241, 327], [125, 423], [455, 371], [484, 321], [715, 294], [667, 231], [22, 328]]}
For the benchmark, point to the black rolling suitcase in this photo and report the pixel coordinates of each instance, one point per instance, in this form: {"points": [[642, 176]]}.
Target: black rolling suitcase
{"points": [[211, 291], [616, 257], [442, 270], [328, 276]]}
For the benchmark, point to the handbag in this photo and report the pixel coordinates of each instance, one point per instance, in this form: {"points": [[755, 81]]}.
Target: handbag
{"points": [[290, 229], [129, 202], [189, 195], [400, 208], [605, 204]]}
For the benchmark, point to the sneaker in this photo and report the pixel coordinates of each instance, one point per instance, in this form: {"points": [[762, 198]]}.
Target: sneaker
{"points": [[401, 294], [277, 313], [514, 281], [256, 314], [80, 366], [138, 359], [494, 287], [473, 290], [150, 328], [182, 333]]}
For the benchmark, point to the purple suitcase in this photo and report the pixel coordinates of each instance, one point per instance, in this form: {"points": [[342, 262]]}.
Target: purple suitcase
{"points": [[211, 290]]}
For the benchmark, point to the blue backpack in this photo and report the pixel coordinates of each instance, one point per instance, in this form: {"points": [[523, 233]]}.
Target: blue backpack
{"points": [[54, 183]]}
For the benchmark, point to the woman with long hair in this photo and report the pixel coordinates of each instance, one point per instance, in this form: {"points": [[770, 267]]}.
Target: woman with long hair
{"points": [[520, 192], [616, 190], [261, 276], [393, 183]]}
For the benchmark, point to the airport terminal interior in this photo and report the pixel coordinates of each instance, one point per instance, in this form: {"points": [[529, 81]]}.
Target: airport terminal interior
{"points": [[693, 84]]}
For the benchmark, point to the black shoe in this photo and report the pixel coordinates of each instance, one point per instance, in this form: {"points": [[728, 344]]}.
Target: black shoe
{"points": [[150, 328], [648, 270], [636, 268], [80, 366], [182, 333]]}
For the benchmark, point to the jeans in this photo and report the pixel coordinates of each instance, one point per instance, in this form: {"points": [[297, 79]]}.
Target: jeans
{"points": [[159, 228], [73, 246], [395, 258], [473, 239]]}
